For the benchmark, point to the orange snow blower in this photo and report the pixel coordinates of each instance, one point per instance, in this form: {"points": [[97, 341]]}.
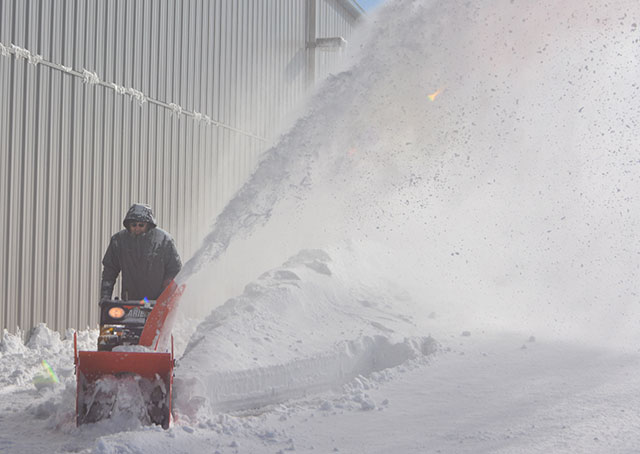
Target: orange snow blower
{"points": [[132, 371]]}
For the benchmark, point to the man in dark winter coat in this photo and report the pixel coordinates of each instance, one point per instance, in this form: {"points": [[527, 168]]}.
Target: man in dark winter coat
{"points": [[145, 254]]}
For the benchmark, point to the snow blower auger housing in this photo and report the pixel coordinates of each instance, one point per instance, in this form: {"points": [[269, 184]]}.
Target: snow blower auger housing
{"points": [[136, 378]]}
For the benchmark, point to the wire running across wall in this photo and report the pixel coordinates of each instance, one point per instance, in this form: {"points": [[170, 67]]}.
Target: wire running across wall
{"points": [[92, 78]]}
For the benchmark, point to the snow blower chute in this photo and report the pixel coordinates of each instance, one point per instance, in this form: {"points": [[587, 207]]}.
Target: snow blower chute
{"points": [[132, 371]]}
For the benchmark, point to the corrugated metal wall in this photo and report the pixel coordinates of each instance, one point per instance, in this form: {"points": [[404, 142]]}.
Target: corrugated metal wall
{"points": [[106, 103], [332, 20]]}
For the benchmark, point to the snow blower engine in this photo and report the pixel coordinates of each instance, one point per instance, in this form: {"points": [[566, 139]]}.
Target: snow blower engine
{"points": [[131, 374], [122, 322]]}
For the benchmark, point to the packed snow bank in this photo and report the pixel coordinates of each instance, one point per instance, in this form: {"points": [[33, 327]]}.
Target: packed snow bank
{"points": [[21, 364], [43, 369], [304, 327]]}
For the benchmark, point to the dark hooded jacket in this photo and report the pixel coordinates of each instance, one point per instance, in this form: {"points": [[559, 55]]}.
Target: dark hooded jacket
{"points": [[148, 261]]}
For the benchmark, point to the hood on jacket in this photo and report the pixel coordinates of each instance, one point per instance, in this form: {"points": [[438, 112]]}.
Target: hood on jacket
{"points": [[141, 213]]}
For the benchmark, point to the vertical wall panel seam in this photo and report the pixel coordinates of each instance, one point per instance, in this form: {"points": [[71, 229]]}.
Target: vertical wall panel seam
{"points": [[74, 296], [21, 179], [90, 299], [47, 211], [10, 154], [59, 310], [36, 185]]}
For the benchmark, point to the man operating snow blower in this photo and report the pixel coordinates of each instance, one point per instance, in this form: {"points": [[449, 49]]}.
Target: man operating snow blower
{"points": [[119, 377], [145, 254]]}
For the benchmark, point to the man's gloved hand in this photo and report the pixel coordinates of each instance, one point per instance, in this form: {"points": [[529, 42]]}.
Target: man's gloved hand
{"points": [[106, 289]]}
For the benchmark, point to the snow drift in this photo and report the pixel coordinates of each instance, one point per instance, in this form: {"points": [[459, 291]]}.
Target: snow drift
{"points": [[300, 328]]}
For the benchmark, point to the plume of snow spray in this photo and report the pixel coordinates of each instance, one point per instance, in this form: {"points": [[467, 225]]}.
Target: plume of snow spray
{"points": [[510, 200]]}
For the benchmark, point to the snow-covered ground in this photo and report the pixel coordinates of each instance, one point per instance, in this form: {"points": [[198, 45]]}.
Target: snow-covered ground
{"points": [[440, 255], [486, 392]]}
